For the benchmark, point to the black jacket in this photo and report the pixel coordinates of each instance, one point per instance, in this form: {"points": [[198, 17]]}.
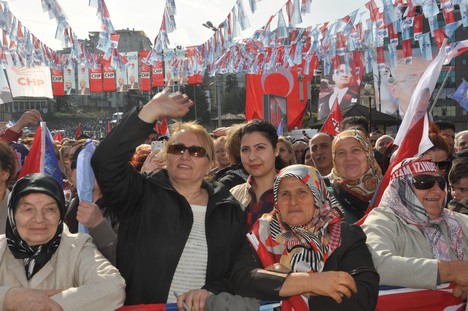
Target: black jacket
{"points": [[351, 254], [155, 220]]}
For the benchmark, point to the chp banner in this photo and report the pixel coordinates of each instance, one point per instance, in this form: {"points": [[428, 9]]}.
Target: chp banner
{"points": [[109, 76], [132, 70], [95, 79], [57, 82], [70, 80], [83, 80], [158, 74], [30, 82], [145, 74]]}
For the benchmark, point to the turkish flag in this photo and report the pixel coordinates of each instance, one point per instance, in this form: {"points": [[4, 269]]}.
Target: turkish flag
{"points": [[282, 82], [332, 125]]}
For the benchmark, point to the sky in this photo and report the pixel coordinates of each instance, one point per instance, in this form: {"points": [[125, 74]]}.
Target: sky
{"points": [[146, 15]]}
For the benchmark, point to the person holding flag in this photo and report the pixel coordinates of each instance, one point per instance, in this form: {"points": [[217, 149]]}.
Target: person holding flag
{"points": [[416, 242]]}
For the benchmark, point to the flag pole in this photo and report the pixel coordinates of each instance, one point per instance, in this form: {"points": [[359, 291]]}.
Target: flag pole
{"points": [[43, 146], [440, 90]]}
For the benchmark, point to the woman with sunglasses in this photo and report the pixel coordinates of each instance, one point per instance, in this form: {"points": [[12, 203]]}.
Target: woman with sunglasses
{"points": [[178, 233], [416, 242]]}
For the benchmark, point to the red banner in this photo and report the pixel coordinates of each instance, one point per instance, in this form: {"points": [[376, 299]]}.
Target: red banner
{"points": [[283, 82], [95, 80], [145, 79], [158, 74], [57, 82], [109, 76]]}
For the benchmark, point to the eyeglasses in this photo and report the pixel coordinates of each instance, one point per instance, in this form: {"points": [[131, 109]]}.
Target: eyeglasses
{"points": [[425, 181], [443, 165], [194, 151]]}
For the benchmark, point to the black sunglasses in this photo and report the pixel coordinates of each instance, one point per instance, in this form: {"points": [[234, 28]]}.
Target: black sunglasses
{"points": [[194, 151], [426, 181], [443, 165]]}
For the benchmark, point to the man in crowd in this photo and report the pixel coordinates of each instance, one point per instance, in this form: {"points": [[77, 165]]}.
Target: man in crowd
{"points": [[461, 141], [320, 149]]}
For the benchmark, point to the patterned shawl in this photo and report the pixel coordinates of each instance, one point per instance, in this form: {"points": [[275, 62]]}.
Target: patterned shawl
{"points": [[299, 248], [365, 186], [400, 196]]}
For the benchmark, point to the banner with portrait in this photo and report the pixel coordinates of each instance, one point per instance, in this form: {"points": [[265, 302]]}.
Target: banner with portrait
{"points": [[340, 85], [121, 80], [69, 80], [83, 80], [132, 70]]}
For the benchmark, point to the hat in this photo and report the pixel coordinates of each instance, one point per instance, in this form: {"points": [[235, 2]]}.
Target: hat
{"points": [[414, 166]]}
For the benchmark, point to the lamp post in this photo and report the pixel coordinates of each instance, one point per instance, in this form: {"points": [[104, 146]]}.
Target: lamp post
{"points": [[210, 25], [390, 79]]}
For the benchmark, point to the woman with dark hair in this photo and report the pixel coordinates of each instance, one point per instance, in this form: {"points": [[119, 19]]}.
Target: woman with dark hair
{"points": [[259, 149], [9, 163], [45, 267], [355, 173]]}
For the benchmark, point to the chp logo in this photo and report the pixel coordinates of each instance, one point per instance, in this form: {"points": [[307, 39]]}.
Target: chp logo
{"points": [[57, 79], [145, 75], [109, 75], [96, 76], [29, 76]]}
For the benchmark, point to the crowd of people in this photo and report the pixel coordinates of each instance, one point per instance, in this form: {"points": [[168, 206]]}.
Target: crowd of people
{"points": [[223, 220]]}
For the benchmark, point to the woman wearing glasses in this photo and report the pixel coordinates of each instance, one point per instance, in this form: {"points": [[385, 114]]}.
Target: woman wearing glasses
{"points": [[178, 234], [416, 242]]}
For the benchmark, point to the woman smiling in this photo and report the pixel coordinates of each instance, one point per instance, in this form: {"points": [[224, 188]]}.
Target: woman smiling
{"points": [[45, 267]]}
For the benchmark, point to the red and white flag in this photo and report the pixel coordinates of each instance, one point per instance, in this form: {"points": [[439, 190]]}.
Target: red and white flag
{"points": [[78, 131], [413, 135], [332, 125], [455, 49]]}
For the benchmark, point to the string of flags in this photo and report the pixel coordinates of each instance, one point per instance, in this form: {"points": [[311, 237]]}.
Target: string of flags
{"points": [[350, 38]]}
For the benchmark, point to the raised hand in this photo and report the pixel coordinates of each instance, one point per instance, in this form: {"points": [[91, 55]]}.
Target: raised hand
{"points": [[89, 214], [163, 104], [32, 116]]}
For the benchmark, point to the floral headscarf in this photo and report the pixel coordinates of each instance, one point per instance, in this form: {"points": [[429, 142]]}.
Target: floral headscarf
{"points": [[365, 186], [400, 196], [299, 248]]}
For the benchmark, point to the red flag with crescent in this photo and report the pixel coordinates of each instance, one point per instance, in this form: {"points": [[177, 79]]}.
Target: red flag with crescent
{"points": [[332, 125], [280, 82]]}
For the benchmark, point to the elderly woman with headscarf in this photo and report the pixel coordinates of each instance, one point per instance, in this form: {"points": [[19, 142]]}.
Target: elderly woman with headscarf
{"points": [[414, 241], [355, 173], [325, 262], [42, 265]]}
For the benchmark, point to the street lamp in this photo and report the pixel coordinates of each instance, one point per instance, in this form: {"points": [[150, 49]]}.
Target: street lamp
{"points": [[209, 25], [390, 79]]}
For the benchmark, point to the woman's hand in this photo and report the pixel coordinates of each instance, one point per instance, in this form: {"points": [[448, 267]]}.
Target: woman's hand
{"points": [[26, 299], [334, 284], [460, 292], [89, 214], [194, 299], [164, 104], [153, 162]]}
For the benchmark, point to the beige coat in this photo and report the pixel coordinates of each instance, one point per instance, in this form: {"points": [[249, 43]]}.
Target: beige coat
{"points": [[401, 253], [88, 280]]}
